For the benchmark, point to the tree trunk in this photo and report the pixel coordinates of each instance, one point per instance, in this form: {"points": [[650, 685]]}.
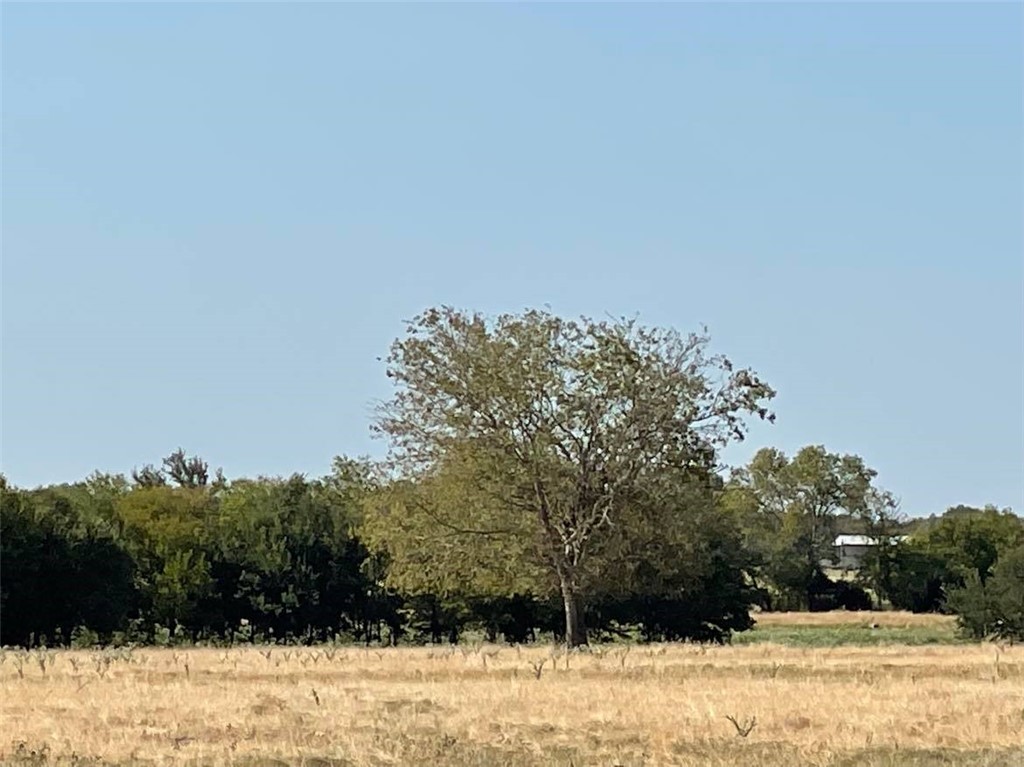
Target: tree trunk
{"points": [[575, 628]]}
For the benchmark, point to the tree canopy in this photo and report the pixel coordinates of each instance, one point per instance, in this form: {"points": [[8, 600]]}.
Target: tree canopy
{"points": [[558, 428], [789, 508]]}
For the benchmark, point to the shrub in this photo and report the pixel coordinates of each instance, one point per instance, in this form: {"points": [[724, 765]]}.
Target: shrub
{"points": [[83, 638], [826, 594]]}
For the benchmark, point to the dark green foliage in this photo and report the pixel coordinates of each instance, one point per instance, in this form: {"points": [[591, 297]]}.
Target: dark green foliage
{"points": [[58, 570], [917, 579], [826, 594], [429, 618], [286, 562], [960, 547], [517, 618], [666, 619], [191, 558], [680, 571], [269, 559], [971, 540], [279, 560], [993, 607]]}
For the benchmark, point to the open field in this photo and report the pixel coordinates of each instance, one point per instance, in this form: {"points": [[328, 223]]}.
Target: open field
{"points": [[891, 619], [491, 705], [833, 629]]}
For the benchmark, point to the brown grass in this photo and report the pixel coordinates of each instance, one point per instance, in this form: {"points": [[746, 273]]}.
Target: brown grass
{"points": [[894, 619], [645, 705]]}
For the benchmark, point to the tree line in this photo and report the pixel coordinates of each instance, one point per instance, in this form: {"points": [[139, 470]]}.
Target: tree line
{"points": [[546, 476]]}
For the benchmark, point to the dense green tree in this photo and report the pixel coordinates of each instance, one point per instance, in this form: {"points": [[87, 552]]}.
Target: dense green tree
{"points": [[971, 540], [60, 567], [557, 426], [993, 607], [278, 556], [789, 507], [673, 552], [285, 557], [444, 536], [166, 532], [944, 553], [917, 578], [454, 544], [678, 568]]}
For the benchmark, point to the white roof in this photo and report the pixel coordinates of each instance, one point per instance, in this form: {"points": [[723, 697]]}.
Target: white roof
{"points": [[863, 540]]}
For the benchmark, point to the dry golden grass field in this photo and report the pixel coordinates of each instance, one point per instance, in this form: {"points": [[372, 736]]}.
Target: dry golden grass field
{"points": [[842, 618], [493, 705]]}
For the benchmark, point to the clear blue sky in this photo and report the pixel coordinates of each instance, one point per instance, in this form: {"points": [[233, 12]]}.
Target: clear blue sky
{"points": [[216, 217]]}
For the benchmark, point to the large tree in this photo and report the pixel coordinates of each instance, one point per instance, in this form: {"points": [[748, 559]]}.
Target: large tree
{"points": [[790, 507], [559, 427]]}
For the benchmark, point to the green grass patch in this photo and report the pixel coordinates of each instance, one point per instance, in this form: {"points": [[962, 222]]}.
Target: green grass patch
{"points": [[933, 757], [835, 636]]}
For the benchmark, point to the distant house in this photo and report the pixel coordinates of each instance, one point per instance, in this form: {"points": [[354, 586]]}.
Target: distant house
{"points": [[852, 549]]}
